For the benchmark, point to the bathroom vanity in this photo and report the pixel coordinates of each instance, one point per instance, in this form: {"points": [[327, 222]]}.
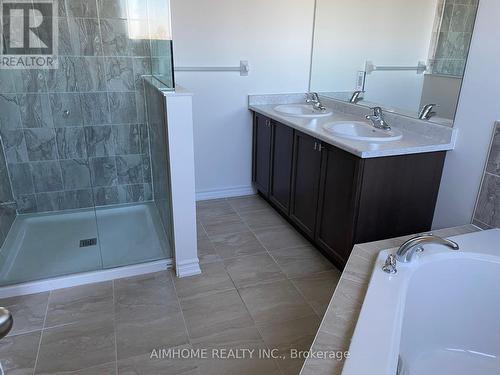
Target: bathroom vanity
{"points": [[340, 192]]}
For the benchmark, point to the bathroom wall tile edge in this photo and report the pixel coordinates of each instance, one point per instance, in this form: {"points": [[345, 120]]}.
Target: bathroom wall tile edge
{"points": [[487, 210]]}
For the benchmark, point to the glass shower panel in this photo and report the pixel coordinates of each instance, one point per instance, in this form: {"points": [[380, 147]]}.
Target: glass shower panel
{"points": [[7, 206], [45, 172], [78, 190], [161, 42], [128, 218]]}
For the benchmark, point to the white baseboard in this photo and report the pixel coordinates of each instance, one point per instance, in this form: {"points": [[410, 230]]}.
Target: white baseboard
{"points": [[84, 278], [225, 193], [188, 268]]}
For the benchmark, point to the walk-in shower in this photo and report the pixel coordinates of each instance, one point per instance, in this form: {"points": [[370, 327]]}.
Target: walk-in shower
{"points": [[82, 185]]}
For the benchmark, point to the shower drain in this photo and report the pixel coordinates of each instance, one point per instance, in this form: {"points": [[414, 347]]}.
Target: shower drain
{"points": [[88, 242]]}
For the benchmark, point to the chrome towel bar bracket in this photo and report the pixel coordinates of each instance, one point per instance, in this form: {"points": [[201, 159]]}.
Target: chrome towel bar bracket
{"points": [[243, 69], [370, 67]]}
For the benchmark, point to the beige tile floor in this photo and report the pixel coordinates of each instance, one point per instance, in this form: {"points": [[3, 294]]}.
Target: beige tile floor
{"points": [[263, 287]]}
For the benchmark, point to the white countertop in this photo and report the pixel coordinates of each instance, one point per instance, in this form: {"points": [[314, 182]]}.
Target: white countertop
{"points": [[413, 142]]}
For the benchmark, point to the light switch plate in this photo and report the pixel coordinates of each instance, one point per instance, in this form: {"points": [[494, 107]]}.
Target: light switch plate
{"points": [[360, 80]]}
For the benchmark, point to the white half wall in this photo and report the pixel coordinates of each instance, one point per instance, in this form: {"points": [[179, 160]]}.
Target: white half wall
{"points": [[180, 144], [275, 37], [478, 109]]}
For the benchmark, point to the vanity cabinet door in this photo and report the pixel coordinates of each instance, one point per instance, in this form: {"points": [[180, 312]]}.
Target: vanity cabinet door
{"points": [[305, 182], [281, 166], [337, 207], [262, 134]]}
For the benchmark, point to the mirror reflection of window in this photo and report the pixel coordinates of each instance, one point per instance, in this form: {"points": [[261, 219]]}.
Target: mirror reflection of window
{"points": [[149, 20], [456, 23]]}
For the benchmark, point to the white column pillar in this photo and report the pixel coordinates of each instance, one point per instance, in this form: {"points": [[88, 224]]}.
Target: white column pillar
{"points": [[181, 149]]}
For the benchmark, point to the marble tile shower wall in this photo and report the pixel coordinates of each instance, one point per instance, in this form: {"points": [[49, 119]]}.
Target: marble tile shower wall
{"points": [[7, 211], [487, 213], [77, 135], [455, 33]]}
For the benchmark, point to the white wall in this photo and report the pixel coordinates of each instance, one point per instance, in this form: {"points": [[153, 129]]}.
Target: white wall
{"points": [[478, 109], [275, 37], [387, 32]]}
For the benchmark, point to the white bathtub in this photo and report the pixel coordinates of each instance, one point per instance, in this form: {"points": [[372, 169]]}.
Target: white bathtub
{"points": [[440, 314]]}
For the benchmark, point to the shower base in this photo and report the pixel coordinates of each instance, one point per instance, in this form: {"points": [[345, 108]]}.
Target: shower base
{"points": [[43, 247]]}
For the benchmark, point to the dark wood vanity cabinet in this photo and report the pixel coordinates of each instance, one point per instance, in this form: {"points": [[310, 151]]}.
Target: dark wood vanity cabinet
{"points": [[337, 199], [262, 134], [306, 170], [281, 166], [341, 177]]}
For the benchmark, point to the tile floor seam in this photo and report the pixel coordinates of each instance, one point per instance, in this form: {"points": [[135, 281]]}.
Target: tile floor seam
{"points": [[228, 233], [247, 196], [238, 290], [253, 320], [204, 230], [24, 333], [305, 299], [41, 333], [282, 271], [285, 224], [257, 238], [269, 252], [313, 274], [245, 255], [269, 348], [181, 311], [286, 276], [114, 326], [242, 300]]}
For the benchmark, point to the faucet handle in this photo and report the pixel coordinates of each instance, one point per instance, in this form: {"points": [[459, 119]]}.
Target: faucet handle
{"points": [[312, 97], [390, 265]]}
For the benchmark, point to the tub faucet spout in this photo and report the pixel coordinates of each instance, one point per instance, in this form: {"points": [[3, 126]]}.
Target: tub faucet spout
{"points": [[414, 245]]}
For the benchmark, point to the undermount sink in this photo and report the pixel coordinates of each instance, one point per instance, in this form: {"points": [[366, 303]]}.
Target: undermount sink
{"points": [[361, 131], [301, 110]]}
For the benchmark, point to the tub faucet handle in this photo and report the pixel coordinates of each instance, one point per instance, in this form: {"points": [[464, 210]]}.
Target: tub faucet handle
{"points": [[390, 265]]}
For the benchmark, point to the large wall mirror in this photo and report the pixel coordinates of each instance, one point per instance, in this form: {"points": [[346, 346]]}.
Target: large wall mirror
{"points": [[402, 54]]}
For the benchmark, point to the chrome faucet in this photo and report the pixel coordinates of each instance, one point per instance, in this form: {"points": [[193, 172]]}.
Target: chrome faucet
{"points": [[414, 245], [378, 120], [427, 112], [313, 98], [390, 265], [356, 97]]}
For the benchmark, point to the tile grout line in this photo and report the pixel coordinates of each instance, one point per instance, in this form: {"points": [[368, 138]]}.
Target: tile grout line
{"points": [[237, 289], [41, 332], [268, 252], [224, 266], [182, 314], [284, 274], [180, 308], [274, 260], [277, 264], [239, 294]]}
